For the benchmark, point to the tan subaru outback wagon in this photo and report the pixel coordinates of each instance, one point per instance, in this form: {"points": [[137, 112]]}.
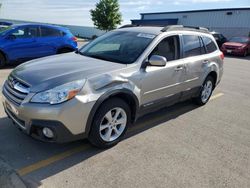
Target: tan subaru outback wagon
{"points": [[98, 91]]}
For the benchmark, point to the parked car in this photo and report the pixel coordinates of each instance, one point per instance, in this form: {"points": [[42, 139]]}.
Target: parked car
{"points": [[24, 42], [97, 92], [220, 39], [237, 46]]}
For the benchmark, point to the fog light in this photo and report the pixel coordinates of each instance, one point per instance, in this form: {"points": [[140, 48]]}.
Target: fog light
{"points": [[48, 132]]}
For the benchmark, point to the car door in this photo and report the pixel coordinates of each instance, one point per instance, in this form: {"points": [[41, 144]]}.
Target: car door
{"points": [[21, 43], [49, 40], [195, 61], [163, 84]]}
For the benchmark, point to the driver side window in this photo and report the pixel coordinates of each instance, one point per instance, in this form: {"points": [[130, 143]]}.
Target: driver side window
{"points": [[168, 48], [26, 32]]}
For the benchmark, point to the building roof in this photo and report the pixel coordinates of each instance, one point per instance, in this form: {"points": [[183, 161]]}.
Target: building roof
{"points": [[204, 10], [155, 22]]}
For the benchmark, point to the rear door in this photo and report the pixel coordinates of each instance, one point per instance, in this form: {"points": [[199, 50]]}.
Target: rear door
{"points": [[49, 40], [194, 54]]}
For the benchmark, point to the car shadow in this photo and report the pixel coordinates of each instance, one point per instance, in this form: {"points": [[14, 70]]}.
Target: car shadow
{"points": [[21, 150]]}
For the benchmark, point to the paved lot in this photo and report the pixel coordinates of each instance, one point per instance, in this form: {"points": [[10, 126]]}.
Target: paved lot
{"points": [[182, 146]]}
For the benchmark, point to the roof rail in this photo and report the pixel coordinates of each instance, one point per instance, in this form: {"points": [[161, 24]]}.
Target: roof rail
{"points": [[128, 25], [139, 25], [182, 27]]}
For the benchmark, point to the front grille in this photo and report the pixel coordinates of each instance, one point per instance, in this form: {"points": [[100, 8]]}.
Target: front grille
{"points": [[231, 47], [15, 91]]}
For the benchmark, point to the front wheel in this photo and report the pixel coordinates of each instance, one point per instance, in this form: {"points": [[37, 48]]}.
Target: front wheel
{"points": [[206, 91], [110, 123], [245, 53]]}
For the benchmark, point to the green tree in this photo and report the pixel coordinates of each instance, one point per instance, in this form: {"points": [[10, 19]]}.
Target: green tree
{"points": [[106, 16]]}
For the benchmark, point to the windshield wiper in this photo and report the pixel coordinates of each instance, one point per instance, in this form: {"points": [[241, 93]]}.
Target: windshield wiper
{"points": [[100, 57]]}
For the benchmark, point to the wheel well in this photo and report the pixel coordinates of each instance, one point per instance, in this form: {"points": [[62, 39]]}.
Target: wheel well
{"points": [[213, 74], [123, 95], [129, 100]]}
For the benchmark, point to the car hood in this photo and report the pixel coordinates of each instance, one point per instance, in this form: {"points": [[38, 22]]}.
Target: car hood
{"points": [[46, 73], [236, 44]]}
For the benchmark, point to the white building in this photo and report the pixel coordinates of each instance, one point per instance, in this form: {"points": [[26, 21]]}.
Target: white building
{"points": [[230, 22]]}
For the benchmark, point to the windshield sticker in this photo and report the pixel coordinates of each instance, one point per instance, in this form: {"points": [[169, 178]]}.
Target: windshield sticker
{"points": [[145, 35]]}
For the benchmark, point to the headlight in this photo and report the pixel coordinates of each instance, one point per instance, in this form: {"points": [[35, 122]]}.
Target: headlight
{"points": [[59, 94], [242, 47]]}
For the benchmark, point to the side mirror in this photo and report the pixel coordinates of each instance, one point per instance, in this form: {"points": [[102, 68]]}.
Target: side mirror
{"points": [[156, 60]]}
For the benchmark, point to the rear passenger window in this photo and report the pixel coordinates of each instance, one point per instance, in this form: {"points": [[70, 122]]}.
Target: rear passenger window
{"points": [[50, 32], [210, 46], [192, 45]]}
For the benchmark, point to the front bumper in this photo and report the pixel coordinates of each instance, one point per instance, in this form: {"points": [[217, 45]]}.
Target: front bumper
{"points": [[67, 120]]}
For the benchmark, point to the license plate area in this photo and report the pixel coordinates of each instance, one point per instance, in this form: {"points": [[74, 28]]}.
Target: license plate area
{"points": [[229, 51]]}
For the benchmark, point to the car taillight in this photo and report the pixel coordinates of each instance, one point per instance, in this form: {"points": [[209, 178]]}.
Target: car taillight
{"points": [[74, 39], [222, 56]]}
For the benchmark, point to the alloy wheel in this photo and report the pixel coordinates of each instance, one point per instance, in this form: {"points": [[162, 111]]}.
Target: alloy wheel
{"points": [[113, 124], [207, 91]]}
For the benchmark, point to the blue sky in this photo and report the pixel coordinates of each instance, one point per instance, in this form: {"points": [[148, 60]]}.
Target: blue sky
{"points": [[76, 12]]}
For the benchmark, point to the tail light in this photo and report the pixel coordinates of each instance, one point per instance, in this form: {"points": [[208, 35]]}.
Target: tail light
{"points": [[222, 56], [74, 39]]}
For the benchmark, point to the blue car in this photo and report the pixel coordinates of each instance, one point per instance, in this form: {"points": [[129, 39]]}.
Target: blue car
{"points": [[22, 42]]}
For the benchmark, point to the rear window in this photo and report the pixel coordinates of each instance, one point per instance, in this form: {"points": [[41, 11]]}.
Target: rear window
{"points": [[210, 46], [50, 32], [192, 45]]}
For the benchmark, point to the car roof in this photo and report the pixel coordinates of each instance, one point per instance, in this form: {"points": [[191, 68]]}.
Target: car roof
{"points": [[157, 30], [37, 24]]}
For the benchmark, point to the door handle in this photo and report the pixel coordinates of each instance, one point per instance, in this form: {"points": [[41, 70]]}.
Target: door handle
{"points": [[205, 62], [179, 68]]}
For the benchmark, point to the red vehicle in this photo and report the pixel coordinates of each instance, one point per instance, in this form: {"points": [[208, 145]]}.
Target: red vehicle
{"points": [[237, 46]]}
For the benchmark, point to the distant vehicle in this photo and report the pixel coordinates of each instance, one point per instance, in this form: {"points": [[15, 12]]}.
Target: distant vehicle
{"points": [[237, 46], [97, 92], [22, 42], [220, 39]]}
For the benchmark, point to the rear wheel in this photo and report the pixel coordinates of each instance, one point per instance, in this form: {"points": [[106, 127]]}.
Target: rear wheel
{"points": [[206, 91], [2, 60], [110, 123]]}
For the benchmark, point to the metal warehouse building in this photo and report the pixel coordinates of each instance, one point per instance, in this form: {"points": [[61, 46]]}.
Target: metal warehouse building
{"points": [[230, 22]]}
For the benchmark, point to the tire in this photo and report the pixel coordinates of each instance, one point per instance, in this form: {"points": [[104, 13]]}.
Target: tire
{"points": [[206, 91], [245, 54], [2, 60], [104, 133]]}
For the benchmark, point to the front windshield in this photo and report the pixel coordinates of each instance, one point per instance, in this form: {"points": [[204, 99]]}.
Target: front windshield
{"points": [[239, 39], [4, 29], [118, 46]]}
